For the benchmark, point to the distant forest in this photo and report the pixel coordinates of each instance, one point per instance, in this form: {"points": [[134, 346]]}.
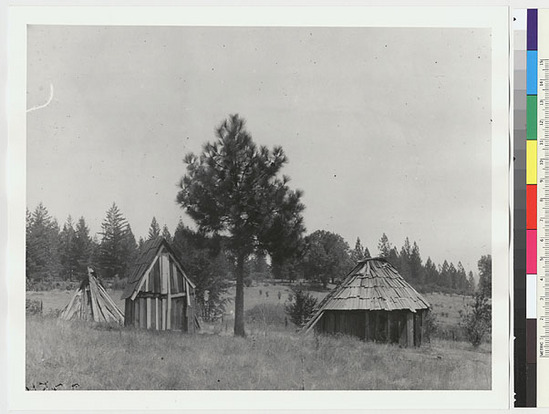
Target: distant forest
{"points": [[63, 253]]}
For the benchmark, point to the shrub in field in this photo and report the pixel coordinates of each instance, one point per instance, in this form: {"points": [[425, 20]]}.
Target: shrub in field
{"points": [[431, 325], [301, 308], [476, 319], [33, 307]]}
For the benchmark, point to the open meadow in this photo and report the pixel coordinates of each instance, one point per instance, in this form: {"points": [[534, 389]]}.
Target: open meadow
{"points": [[273, 356]]}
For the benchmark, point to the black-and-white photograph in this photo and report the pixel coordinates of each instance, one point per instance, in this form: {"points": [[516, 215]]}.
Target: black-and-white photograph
{"points": [[258, 208]]}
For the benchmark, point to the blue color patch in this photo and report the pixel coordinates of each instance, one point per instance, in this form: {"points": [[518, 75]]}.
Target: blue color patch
{"points": [[532, 72]]}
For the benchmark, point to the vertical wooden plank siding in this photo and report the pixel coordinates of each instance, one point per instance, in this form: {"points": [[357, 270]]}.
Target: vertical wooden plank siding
{"points": [[402, 328], [165, 266], [157, 314], [149, 313], [163, 306], [143, 310], [410, 328], [136, 313], [164, 275], [157, 285], [152, 306], [173, 277], [366, 326], [146, 289]]}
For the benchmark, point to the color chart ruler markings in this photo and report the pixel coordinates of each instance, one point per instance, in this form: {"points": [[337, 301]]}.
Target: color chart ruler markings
{"points": [[520, 198], [542, 279], [531, 205]]}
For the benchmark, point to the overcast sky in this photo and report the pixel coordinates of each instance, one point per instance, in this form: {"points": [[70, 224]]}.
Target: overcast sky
{"points": [[386, 130]]}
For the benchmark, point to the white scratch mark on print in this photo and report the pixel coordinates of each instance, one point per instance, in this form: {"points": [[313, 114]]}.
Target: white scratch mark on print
{"points": [[34, 108]]}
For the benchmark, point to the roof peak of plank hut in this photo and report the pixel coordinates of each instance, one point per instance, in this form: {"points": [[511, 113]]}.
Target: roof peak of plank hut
{"points": [[147, 253]]}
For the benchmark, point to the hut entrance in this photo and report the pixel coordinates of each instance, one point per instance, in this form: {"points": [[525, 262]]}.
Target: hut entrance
{"points": [[179, 317]]}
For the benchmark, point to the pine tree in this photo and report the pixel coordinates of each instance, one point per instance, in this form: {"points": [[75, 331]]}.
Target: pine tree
{"points": [[83, 247], [358, 253], [42, 245], [154, 229], [417, 271], [485, 275], [404, 265], [130, 247], [444, 279], [384, 246], [235, 188], [67, 250], [115, 248], [452, 273], [30, 259], [431, 274], [461, 279], [471, 283], [166, 234]]}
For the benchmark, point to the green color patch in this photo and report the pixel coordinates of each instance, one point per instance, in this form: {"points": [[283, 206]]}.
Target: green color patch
{"points": [[531, 117]]}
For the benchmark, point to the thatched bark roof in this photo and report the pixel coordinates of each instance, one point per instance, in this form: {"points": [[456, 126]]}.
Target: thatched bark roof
{"points": [[373, 285]]}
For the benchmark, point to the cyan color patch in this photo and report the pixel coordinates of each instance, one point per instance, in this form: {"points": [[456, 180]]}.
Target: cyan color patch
{"points": [[532, 72]]}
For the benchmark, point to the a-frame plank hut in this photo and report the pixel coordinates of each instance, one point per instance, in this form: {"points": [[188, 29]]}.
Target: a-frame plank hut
{"points": [[374, 303], [91, 302], [159, 294]]}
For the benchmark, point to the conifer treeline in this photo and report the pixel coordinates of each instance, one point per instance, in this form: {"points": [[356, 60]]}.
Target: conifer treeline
{"points": [[428, 276], [64, 253]]}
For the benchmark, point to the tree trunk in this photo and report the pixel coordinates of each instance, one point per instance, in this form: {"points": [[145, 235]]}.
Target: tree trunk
{"points": [[239, 298]]}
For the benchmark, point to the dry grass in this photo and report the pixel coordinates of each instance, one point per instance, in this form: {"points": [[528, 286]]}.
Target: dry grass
{"points": [[273, 356], [109, 357]]}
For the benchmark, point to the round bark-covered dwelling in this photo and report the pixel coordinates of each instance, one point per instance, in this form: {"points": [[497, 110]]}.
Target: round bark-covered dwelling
{"points": [[374, 303]]}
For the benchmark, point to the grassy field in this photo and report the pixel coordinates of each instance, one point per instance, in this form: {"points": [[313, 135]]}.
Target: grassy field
{"points": [[272, 356], [110, 357]]}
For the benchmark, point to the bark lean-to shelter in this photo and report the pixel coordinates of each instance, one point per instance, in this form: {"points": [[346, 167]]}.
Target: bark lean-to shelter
{"points": [[160, 295], [374, 303], [91, 302]]}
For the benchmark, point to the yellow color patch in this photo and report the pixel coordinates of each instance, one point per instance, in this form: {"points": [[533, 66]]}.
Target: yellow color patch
{"points": [[531, 162]]}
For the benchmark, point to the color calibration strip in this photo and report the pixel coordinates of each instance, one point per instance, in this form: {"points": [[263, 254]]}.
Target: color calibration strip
{"points": [[542, 280], [531, 202], [531, 220], [520, 207]]}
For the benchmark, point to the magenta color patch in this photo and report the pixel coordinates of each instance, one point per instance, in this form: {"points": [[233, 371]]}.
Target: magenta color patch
{"points": [[531, 251]]}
